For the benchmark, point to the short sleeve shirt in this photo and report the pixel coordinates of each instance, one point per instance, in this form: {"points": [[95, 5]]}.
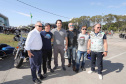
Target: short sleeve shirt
{"points": [[59, 36], [46, 38]]}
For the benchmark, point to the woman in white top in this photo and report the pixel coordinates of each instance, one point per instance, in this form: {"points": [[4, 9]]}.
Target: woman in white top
{"points": [[82, 48]]}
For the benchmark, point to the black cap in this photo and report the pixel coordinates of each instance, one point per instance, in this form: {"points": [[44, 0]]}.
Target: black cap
{"points": [[47, 24]]}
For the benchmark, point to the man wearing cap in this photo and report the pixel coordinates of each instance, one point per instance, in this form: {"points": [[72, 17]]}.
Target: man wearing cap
{"points": [[59, 35], [33, 45], [47, 48]]}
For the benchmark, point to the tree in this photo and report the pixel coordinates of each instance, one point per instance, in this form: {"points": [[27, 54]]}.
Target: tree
{"points": [[65, 25], [98, 18], [84, 20], [123, 18], [117, 18], [93, 19], [108, 19]]}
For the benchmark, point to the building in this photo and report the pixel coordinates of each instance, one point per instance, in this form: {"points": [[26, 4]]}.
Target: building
{"points": [[4, 22]]}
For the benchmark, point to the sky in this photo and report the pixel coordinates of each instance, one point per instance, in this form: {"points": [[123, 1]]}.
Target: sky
{"points": [[19, 14]]}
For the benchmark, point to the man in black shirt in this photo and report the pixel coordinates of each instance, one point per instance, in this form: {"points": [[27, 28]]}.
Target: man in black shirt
{"points": [[72, 44], [47, 48]]}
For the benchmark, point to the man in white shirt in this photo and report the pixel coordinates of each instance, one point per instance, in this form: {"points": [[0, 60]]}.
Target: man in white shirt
{"points": [[33, 46]]}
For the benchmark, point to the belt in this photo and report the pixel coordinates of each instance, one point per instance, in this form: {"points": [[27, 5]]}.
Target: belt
{"points": [[95, 51], [35, 50]]}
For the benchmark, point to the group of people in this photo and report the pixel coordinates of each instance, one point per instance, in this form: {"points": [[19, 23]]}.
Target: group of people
{"points": [[39, 48]]}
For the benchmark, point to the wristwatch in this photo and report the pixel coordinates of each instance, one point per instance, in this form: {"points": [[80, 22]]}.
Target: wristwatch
{"points": [[105, 51]]}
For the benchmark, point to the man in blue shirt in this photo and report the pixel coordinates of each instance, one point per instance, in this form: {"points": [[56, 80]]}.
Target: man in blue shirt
{"points": [[47, 48]]}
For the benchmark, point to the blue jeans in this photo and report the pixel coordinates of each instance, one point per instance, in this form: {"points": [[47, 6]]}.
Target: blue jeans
{"points": [[71, 55], [79, 54]]}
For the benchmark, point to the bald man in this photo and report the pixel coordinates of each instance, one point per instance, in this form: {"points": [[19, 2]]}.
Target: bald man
{"points": [[33, 46]]}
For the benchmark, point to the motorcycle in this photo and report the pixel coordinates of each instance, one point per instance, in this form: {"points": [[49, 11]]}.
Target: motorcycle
{"points": [[122, 35], [20, 53], [17, 35]]}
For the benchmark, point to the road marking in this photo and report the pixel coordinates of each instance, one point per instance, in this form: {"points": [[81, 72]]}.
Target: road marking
{"points": [[115, 56]]}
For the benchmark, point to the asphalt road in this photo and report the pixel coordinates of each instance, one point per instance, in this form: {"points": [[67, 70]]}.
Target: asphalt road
{"points": [[114, 71]]}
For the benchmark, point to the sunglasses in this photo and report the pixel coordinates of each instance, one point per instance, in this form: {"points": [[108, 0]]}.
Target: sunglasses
{"points": [[99, 27], [84, 29], [71, 25], [39, 26]]}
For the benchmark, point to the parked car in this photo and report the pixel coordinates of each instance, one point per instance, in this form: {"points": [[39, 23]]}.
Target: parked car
{"points": [[5, 50]]}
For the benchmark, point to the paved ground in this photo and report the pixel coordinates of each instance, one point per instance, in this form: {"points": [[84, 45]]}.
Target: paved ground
{"points": [[114, 69]]}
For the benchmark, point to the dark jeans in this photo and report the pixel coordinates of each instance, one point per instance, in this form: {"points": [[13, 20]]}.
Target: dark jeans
{"points": [[99, 57], [71, 55], [35, 64], [47, 56]]}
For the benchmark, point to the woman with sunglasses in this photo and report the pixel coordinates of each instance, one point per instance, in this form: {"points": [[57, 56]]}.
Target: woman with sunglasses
{"points": [[82, 48]]}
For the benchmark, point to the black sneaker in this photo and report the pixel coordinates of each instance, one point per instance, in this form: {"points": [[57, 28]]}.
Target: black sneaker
{"points": [[37, 81], [51, 70], [64, 68], [41, 77], [76, 70], [45, 75], [83, 68], [55, 67]]}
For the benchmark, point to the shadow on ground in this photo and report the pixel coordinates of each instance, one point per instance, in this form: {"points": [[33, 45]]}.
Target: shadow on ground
{"points": [[25, 80], [6, 63], [109, 67]]}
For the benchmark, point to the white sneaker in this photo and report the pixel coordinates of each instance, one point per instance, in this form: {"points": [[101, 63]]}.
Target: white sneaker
{"points": [[100, 76], [66, 57], [90, 72]]}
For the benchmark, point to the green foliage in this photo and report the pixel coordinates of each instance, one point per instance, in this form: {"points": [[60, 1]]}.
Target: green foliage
{"points": [[8, 39], [65, 25], [112, 22], [89, 28]]}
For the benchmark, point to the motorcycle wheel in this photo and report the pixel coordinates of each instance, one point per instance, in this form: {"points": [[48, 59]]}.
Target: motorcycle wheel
{"points": [[18, 61]]}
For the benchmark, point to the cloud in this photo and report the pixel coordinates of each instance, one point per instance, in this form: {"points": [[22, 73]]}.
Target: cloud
{"points": [[117, 6], [24, 14], [113, 6], [98, 4], [124, 4]]}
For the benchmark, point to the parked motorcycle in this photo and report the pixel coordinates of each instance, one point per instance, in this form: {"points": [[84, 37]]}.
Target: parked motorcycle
{"points": [[20, 53], [122, 35], [17, 35]]}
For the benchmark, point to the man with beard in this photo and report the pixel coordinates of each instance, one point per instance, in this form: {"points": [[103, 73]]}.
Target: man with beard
{"points": [[72, 44]]}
